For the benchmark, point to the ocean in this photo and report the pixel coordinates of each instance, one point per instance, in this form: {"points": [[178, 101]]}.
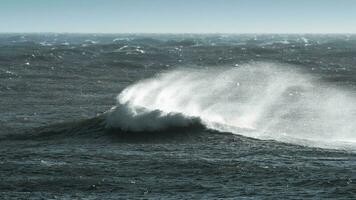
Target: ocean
{"points": [[177, 116]]}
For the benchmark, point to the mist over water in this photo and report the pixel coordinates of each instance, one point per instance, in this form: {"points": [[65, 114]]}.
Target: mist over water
{"points": [[260, 100]]}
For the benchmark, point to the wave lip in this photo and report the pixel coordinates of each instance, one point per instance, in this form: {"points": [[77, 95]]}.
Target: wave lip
{"points": [[131, 118]]}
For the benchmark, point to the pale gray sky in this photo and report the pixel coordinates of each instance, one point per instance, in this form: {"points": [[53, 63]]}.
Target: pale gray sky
{"points": [[179, 16]]}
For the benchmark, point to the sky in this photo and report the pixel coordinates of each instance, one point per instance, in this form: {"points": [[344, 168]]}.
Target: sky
{"points": [[178, 16]]}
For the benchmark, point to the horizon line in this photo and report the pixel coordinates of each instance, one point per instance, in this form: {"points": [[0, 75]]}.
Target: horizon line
{"points": [[191, 33]]}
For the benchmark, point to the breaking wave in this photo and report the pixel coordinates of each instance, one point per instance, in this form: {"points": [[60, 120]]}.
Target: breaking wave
{"points": [[136, 118], [258, 100]]}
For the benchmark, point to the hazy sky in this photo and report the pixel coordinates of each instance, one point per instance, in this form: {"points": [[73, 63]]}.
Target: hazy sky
{"points": [[172, 16]]}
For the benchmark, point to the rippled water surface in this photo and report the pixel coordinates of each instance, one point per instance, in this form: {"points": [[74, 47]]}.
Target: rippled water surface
{"points": [[197, 116]]}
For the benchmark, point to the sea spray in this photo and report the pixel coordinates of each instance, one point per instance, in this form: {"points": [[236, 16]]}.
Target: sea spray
{"points": [[260, 100]]}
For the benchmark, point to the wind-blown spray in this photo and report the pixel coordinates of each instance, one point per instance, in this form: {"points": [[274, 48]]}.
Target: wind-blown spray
{"points": [[260, 100]]}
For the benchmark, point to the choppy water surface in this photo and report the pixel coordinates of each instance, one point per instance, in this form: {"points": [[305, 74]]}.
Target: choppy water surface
{"points": [[177, 116]]}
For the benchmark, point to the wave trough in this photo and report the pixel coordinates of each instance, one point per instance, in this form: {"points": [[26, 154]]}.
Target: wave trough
{"points": [[259, 100]]}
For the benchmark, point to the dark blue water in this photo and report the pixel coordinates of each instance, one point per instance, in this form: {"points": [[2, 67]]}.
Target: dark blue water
{"points": [[56, 89]]}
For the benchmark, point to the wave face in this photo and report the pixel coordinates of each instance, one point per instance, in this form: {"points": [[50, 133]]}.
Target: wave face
{"points": [[259, 100]]}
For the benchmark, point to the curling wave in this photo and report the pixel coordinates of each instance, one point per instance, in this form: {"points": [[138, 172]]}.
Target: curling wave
{"points": [[259, 100]]}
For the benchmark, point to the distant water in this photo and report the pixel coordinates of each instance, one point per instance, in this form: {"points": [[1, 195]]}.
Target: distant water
{"points": [[112, 116]]}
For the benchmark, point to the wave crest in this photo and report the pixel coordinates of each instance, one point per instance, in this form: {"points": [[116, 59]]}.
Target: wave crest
{"points": [[134, 118]]}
